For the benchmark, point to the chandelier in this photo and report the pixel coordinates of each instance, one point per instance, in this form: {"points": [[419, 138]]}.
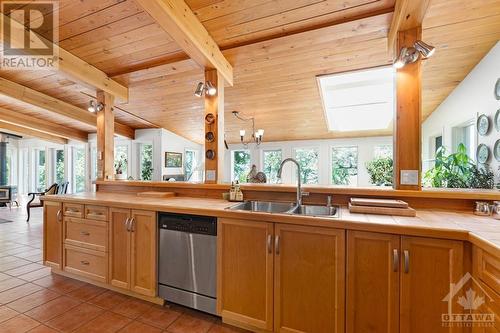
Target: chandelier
{"points": [[256, 136]]}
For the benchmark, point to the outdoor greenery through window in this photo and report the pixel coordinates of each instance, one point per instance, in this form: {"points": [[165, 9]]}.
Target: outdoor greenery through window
{"points": [[9, 161], [381, 169], [78, 170], [272, 161], [41, 179], [308, 159], [240, 161], [345, 166], [59, 166], [121, 159], [146, 161], [189, 164]]}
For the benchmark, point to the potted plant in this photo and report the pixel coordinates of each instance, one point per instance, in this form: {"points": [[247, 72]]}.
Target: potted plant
{"points": [[119, 175]]}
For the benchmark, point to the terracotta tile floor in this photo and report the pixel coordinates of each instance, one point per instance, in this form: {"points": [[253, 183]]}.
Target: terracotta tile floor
{"points": [[34, 300]]}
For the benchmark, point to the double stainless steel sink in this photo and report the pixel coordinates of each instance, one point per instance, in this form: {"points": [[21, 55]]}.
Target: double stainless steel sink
{"points": [[286, 208]]}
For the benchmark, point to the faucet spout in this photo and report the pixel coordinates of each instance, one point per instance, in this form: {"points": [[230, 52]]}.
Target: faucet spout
{"points": [[299, 187]]}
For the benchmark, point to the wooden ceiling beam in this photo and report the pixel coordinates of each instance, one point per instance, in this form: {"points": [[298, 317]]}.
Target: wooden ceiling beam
{"points": [[177, 19], [30, 132], [49, 103], [408, 14], [22, 120], [75, 67]]}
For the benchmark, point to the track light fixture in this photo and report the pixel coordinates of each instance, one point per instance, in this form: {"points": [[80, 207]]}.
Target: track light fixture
{"points": [[208, 88], [95, 106], [409, 55]]}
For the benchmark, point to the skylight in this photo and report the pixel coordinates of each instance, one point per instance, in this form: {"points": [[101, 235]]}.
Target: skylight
{"points": [[359, 101]]}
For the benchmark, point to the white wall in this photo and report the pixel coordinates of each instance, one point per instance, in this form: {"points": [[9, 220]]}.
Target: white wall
{"points": [[174, 143], [472, 97], [365, 146]]}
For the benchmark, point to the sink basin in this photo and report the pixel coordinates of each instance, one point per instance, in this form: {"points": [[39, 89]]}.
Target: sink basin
{"points": [[264, 206], [320, 211]]}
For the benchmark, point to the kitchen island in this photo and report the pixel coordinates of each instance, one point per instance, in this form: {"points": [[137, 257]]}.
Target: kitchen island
{"points": [[278, 272]]}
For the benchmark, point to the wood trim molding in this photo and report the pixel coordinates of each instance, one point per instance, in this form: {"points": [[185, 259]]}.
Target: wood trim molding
{"points": [[76, 68], [32, 123], [177, 19], [30, 132]]}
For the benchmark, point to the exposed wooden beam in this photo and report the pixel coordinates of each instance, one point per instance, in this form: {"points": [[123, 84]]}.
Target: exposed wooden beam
{"points": [[26, 131], [408, 14], [49, 103], [75, 67], [22, 120], [105, 137], [177, 19]]}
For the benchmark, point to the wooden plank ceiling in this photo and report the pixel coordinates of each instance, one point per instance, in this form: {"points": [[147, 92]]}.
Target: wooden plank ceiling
{"points": [[276, 47]]}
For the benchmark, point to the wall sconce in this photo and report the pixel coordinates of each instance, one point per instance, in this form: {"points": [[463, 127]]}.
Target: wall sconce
{"points": [[409, 55], [95, 107], [208, 88]]}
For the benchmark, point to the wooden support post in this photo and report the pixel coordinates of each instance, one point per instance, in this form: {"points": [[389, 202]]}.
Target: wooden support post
{"points": [[105, 137], [215, 105], [407, 124]]}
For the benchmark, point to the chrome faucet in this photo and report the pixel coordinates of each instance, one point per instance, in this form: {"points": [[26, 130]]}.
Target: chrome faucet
{"points": [[299, 186]]}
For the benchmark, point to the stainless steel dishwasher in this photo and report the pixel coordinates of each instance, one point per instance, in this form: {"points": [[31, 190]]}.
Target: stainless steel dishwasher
{"points": [[187, 260]]}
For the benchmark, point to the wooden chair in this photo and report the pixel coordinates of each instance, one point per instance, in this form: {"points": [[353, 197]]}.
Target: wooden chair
{"points": [[53, 189]]}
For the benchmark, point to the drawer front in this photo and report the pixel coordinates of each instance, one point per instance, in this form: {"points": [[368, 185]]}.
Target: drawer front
{"points": [[86, 233], [98, 213], [487, 268], [73, 210], [87, 263]]}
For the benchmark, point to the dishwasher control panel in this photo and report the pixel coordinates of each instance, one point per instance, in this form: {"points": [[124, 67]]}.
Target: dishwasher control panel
{"points": [[194, 224]]}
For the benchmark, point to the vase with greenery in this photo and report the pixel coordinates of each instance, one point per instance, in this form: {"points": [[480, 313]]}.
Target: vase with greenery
{"points": [[381, 171], [458, 170]]}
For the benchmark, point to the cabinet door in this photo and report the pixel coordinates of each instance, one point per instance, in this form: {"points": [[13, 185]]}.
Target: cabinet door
{"points": [[52, 229], [245, 273], [309, 285], [119, 248], [143, 254], [372, 282], [429, 267]]}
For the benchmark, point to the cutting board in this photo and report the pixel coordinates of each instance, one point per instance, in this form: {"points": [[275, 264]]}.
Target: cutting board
{"points": [[379, 202], [156, 194], [383, 210]]}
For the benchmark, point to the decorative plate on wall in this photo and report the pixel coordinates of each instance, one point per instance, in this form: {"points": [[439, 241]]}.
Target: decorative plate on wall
{"points": [[497, 120], [496, 150], [482, 153], [497, 89], [483, 124]]}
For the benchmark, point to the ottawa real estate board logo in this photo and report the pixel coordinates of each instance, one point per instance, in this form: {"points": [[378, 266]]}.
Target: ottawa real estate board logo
{"points": [[30, 35]]}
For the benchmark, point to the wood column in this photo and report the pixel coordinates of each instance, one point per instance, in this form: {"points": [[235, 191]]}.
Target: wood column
{"points": [[214, 168], [105, 137], [407, 122]]}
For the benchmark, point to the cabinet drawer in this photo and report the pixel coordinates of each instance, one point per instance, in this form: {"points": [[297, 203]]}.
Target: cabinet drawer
{"points": [[487, 268], [86, 233], [73, 210], [87, 263], [98, 213]]}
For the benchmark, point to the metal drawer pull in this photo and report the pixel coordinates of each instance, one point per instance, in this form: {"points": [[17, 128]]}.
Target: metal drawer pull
{"points": [[85, 262], [269, 244], [126, 223], [59, 217], [407, 261], [395, 260], [277, 245], [132, 224], [84, 233]]}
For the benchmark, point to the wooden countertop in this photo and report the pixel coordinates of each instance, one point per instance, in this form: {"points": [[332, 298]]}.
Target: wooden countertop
{"points": [[481, 231]]}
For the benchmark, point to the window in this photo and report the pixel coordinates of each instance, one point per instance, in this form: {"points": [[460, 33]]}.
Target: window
{"points": [[438, 143], [360, 100], [40, 172], [345, 166], [272, 161], [465, 135], [93, 162], [383, 151], [78, 169], [190, 165], [59, 166], [380, 168], [146, 161], [121, 158], [308, 159], [240, 162], [9, 166]]}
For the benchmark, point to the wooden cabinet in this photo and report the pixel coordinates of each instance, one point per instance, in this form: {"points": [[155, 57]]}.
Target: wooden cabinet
{"points": [[132, 241], [429, 267], [52, 234], [372, 303], [309, 276], [245, 273]]}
